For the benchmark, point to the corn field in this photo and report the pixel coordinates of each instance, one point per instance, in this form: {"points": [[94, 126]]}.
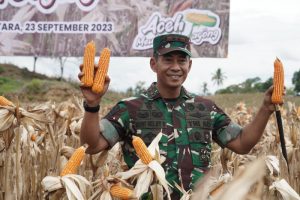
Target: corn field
{"points": [[36, 141]]}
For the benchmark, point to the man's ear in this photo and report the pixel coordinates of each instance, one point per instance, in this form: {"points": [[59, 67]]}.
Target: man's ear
{"points": [[153, 64], [190, 65]]}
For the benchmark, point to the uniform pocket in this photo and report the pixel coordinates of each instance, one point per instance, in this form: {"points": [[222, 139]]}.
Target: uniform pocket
{"points": [[148, 124], [148, 135], [200, 144]]}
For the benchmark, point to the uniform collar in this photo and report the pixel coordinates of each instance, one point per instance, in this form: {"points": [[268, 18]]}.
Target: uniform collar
{"points": [[153, 93]]}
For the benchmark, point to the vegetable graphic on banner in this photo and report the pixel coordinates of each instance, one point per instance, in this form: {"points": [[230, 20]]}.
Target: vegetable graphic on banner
{"points": [[200, 25], [201, 19]]}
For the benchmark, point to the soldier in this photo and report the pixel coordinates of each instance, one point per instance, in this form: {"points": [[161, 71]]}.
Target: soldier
{"points": [[188, 122]]}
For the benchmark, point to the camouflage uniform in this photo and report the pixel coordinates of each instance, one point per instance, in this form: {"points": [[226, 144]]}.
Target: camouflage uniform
{"points": [[188, 124]]}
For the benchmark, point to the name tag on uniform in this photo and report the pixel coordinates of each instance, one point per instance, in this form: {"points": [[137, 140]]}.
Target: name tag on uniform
{"points": [[201, 123], [149, 124]]}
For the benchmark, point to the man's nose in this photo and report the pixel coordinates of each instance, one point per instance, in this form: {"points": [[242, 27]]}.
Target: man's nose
{"points": [[175, 66]]}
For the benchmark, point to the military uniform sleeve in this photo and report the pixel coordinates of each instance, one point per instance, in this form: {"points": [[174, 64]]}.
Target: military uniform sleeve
{"points": [[224, 129], [114, 125]]}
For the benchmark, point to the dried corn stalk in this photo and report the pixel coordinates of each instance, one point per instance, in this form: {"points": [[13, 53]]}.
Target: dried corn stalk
{"points": [[47, 160], [242, 182]]}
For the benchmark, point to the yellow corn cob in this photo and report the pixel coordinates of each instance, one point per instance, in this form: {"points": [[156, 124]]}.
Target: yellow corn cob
{"points": [[121, 192], [103, 64], [74, 162], [141, 150], [5, 102], [278, 82], [33, 137], [88, 64]]}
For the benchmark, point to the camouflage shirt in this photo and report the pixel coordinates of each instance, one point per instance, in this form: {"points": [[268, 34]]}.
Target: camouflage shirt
{"points": [[188, 123]]}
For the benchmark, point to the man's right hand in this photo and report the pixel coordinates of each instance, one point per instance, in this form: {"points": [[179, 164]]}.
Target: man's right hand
{"points": [[92, 99]]}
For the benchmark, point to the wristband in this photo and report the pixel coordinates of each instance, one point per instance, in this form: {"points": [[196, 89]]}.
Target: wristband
{"points": [[91, 109]]}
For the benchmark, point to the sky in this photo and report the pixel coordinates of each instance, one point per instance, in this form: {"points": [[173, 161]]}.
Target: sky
{"points": [[259, 31]]}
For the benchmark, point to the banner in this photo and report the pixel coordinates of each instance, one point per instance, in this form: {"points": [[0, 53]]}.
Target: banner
{"points": [[57, 28]]}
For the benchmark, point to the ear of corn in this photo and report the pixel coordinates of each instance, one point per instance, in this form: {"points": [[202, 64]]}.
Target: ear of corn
{"points": [[5, 102], [102, 70], [278, 82], [74, 162], [33, 137], [88, 64], [141, 150], [121, 192]]}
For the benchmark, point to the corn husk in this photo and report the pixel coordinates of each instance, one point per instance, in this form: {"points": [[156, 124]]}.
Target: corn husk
{"points": [[13, 116], [103, 184], [246, 178], [157, 191], [145, 174], [286, 191], [273, 165], [6, 119], [67, 151], [75, 185]]}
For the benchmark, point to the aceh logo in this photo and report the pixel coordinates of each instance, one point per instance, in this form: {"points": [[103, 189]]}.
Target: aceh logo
{"points": [[200, 25]]}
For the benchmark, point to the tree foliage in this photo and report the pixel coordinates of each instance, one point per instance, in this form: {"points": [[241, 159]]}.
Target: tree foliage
{"points": [[250, 85], [204, 88], [137, 90], [218, 77], [296, 81]]}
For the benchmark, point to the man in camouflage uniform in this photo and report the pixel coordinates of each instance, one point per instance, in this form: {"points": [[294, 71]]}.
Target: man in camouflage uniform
{"points": [[188, 122]]}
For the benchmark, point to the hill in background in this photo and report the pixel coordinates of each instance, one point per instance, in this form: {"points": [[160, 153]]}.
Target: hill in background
{"points": [[26, 86], [29, 86]]}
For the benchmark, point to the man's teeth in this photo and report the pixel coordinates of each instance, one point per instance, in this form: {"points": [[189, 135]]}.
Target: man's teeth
{"points": [[175, 77]]}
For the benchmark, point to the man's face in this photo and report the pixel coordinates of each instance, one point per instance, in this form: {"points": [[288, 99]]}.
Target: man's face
{"points": [[171, 68]]}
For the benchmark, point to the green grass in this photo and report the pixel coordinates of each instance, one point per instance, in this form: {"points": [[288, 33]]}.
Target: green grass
{"points": [[250, 99], [8, 85], [1, 69], [36, 86]]}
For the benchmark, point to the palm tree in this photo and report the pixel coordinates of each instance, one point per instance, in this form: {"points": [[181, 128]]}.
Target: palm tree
{"points": [[218, 77], [204, 88]]}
